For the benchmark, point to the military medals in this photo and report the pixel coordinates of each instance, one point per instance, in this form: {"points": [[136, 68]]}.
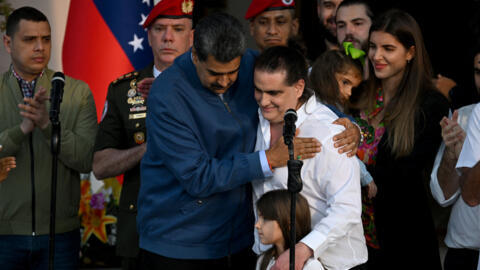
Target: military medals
{"points": [[139, 137]]}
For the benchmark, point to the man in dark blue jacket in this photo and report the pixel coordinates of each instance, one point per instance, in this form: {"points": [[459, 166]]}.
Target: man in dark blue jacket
{"points": [[194, 205]]}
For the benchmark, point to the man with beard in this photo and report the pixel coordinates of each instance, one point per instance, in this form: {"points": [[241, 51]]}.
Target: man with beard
{"points": [[353, 19], [326, 13]]}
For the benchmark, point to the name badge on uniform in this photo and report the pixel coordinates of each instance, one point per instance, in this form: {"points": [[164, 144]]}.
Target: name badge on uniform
{"points": [[139, 137], [137, 115]]}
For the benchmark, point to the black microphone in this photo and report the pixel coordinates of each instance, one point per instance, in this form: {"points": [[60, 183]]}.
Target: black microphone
{"points": [[289, 128], [58, 81]]}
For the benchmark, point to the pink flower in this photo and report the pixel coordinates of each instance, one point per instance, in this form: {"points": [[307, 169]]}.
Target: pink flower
{"points": [[98, 201]]}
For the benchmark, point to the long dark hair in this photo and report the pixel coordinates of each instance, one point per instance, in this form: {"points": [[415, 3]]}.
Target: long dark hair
{"points": [[322, 76], [275, 205], [401, 112]]}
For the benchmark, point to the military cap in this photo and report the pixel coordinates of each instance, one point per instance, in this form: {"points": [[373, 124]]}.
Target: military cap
{"points": [[174, 9], [259, 6]]}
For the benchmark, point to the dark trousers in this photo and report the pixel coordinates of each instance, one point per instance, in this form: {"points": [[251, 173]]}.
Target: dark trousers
{"points": [[461, 259], [25, 252], [242, 260]]}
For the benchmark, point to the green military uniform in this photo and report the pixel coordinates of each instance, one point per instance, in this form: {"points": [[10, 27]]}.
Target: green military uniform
{"points": [[123, 127]]}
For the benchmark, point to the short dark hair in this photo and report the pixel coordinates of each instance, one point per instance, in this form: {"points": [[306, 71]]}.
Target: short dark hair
{"points": [[365, 3], [25, 13], [281, 58], [221, 36], [290, 60]]}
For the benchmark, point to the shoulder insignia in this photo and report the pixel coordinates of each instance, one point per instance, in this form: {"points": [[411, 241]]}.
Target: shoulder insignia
{"points": [[130, 75]]}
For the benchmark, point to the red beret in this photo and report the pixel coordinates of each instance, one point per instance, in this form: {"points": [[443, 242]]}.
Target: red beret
{"points": [[259, 6], [170, 9]]}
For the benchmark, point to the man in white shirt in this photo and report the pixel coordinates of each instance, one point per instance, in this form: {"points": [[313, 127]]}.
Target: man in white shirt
{"points": [[448, 187], [331, 181]]}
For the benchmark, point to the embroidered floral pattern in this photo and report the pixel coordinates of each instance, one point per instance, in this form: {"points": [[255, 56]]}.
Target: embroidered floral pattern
{"points": [[367, 152]]}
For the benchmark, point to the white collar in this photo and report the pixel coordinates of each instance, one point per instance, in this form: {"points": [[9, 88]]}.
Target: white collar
{"points": [[156, 72]]}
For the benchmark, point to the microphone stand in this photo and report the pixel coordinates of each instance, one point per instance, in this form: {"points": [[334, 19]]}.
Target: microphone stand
{"points": [[294, 187], [55, 149]]}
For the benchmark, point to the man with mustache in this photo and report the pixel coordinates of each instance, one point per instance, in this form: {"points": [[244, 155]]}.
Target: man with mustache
{"points": [[272, 22], [326, 13], [353, 20], [25, 133], [194, 205], [121, 139]]}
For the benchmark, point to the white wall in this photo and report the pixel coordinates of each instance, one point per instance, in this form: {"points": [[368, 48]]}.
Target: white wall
{"points": [[56, 12]]}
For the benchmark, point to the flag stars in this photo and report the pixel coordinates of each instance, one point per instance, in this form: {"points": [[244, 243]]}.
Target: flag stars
{"points": [[146, 1], [144, 18], [136, 43]]}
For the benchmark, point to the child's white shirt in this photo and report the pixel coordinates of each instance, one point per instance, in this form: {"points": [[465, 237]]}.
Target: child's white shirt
{"points": [[311, 264]]}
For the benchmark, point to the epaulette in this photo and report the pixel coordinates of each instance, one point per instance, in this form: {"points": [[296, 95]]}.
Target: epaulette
{"points": [[130, 75]]}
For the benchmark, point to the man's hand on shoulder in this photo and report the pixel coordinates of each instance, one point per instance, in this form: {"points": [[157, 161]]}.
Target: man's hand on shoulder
{"points": [[348, 140], [144, 86]]}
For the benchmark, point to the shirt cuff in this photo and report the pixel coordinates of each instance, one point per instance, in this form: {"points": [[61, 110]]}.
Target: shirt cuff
{"points": [[315, 241], [264, 162]]}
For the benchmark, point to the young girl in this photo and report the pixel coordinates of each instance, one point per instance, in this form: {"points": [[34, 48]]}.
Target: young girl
{"points": [[333, 77], [273, 226]]}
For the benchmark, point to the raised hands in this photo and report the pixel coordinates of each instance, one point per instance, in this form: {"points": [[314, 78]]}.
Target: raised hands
{"points": [[34, 111], [453, 135]]}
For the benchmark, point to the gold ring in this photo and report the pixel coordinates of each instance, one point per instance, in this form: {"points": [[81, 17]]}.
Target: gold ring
{"points": [[299, 157]]}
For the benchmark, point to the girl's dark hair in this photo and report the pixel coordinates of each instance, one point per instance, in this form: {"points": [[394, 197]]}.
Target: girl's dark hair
{"points": [[401, 112], [275, 205], [322, 76]]}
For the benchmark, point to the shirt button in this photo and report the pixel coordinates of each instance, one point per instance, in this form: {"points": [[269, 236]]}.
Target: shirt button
{"points": [[131, 206], [137, 125]]}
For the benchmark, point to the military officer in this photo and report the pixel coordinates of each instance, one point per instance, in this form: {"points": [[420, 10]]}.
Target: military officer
{"points": [[121, 140], [272, 22]]}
